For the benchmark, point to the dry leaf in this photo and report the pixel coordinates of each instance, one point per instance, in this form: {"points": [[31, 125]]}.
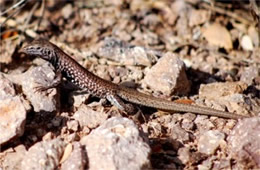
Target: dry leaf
{"points": [[66, 153], [218, 35], [198, 17], [184, 101]]}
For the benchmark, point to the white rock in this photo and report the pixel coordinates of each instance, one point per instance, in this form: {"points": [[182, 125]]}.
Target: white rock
{"points": [[247, 43]]}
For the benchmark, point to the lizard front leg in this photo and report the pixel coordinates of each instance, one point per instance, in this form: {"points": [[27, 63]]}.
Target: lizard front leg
{"points": [[53, 84]]}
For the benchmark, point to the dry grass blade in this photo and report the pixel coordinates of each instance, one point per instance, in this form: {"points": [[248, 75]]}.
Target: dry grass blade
{"points": [[30, 15], [42, 13], [255, 12]]}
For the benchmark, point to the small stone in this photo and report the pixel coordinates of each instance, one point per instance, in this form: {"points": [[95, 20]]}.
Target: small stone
{"points": [[222, 164], [20, 148], [247, 43], [67, 11], [203, 123], [85, 130], [249, 74], [88, 117], [155, 128], [71, 137], [187, 156], [56, 121], [78, 99], [168, 76], [210, 141], [6, 87], [177, 133], [238, 103], [198, 17], [73, 125], [206, 164], [115, 144], [184, 154], [188, 122]]}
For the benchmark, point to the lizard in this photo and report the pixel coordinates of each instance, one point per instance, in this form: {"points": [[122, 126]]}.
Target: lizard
{"points": [[117, 95]]}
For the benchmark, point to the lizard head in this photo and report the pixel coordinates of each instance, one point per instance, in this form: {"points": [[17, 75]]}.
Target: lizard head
{"points": [[40, 48]]}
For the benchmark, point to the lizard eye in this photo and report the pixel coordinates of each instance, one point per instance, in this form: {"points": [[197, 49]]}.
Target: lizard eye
{"points": [[38, 48], [31, 48], [45, 51]]}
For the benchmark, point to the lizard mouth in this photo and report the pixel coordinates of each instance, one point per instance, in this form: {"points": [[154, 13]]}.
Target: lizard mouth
{"points": [[22, 51], [29, 50]]}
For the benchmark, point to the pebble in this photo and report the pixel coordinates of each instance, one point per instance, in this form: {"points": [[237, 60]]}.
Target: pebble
{"points": [[247, 43], [86, 116], [168, 76], [209, 141]]}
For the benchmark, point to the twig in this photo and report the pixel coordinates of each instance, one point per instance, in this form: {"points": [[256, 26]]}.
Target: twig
{"points": [[42, 14], [228, 13], [13, 7], [255, 12], [29, 17]]}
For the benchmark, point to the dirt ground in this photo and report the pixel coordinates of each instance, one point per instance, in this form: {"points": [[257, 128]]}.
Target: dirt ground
{"points": [[197, 52]]}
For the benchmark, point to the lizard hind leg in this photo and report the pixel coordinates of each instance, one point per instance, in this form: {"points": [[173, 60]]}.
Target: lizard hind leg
{"points": [[121, 105], [134, 112]]}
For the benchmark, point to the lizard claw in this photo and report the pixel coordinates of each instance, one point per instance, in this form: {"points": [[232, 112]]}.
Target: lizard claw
{"points": [[41, 89]]}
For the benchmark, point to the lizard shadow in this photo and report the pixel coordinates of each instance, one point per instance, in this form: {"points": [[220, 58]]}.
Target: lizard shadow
{"points": [[197, 77], [40, 123]]}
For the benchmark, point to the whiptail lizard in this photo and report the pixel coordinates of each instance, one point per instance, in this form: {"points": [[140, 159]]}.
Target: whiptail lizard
{"points": [[101, 88]]}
